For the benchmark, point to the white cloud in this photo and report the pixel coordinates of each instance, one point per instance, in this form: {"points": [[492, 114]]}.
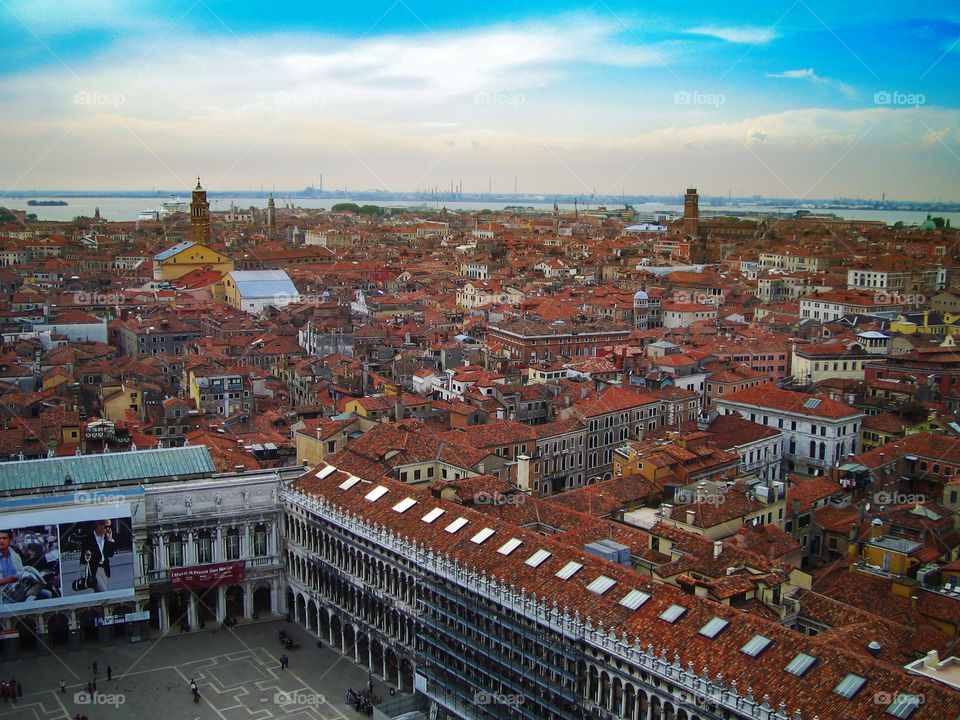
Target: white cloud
{"points": [[745, 35], [809, 74]]}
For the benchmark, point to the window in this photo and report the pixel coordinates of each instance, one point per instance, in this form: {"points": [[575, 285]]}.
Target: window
{"points": [[233, 544], [850, 685], [756, 645], [260, 541], [175, 552], [204, 548]]}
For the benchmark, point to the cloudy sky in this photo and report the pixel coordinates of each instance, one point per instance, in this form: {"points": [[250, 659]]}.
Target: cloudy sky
{"points": [[802, 99]]}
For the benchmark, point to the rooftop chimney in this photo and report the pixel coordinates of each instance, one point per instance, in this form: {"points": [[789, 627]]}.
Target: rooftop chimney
{"points": [[932, 660], [717, 548], [876, 529]]}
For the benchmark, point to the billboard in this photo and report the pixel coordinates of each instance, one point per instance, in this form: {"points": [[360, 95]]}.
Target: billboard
{"points": [[65, 556]]}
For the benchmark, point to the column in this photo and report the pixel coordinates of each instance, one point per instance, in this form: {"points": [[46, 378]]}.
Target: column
{"points": [[189, 553], [164, 619], [216, 553], [161, 556], [247, 601], [192, 612], [221, 603], [247, 548]]}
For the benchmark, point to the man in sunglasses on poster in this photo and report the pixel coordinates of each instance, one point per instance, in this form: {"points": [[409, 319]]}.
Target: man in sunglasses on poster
{"points": [[97, 549]]}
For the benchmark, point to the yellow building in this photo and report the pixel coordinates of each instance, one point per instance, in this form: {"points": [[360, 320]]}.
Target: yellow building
{"points": [[930, 324], [118, 399], [185, 257]]}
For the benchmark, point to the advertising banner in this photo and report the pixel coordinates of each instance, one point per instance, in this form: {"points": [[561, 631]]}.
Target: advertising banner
{"points": [[64, 556], [206, 576]]}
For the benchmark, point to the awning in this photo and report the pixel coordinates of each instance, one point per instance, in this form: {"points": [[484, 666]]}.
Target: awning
{"points": [[853, 467]]}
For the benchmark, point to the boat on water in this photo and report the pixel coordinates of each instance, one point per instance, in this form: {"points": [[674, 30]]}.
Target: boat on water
{"points": [[46, 203], [167, 209]]}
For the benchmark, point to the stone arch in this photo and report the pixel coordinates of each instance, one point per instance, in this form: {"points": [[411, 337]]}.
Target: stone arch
{"points": [[311, 619]]}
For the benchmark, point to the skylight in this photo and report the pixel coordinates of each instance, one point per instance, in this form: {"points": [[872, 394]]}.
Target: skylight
{"points": [[328, 470], [756, 645], [509, 546], [349, 482], [812, 403], [713, 627], [800, 664], [404, 505], [482, 536], [904, 705], [433, 515], [569, 570], [601, 584], [673, 613], [635, 598], [456, 525], [378, 492], [538, 557], [850, 685]]}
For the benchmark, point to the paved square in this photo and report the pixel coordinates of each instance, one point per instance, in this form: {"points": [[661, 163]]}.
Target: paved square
{"points": [[237, 672]]}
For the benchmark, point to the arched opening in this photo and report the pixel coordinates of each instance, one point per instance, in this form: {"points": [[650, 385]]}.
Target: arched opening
{"points": [[311, 622], [406, 676], [301, 609], [178, 604], [234, 601], [261, 601], [207, 601], [28, 633], [58, 628], [393, 675], [89, 621]]}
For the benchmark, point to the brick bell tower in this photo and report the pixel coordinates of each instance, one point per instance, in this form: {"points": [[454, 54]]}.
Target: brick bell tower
{"points": [[691, 213], [200, 216]]}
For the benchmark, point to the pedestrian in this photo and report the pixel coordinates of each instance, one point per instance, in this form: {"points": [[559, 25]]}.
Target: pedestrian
{"points": [[19, 689], [94, 667], [63, 688], [109, 673]]}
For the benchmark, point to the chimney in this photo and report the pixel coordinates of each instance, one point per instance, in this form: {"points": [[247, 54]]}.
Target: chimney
{"points": [[876, 529], [853, 532], [523, 473], [932, 660], [874, 647], [665, 510], [796, 507], [717, 548], [691, 516]]}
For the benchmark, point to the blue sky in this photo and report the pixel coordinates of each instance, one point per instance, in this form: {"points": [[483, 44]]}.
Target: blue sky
{"points": [[793, 99]]}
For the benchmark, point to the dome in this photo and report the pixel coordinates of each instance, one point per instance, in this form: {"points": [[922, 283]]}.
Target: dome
{"points": [[641, 295]]}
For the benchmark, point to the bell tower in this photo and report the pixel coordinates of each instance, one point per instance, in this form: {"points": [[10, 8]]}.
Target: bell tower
{"points": [[200, 216], [691, 213]]}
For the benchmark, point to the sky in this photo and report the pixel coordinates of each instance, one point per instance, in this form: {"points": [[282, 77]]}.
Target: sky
{"points": [[800, 99]]}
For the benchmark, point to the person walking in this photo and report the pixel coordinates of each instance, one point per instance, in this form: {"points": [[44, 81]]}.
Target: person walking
{"points": [[94, 667], [63, 688], [109, 673]]}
